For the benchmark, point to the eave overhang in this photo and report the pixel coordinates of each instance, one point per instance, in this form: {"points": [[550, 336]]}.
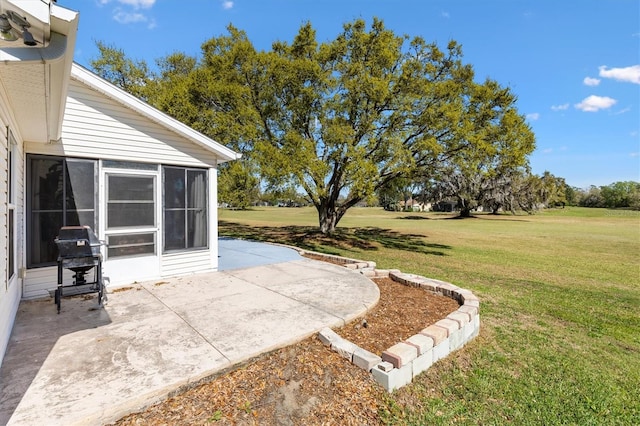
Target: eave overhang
{"points": [[35, 79]]}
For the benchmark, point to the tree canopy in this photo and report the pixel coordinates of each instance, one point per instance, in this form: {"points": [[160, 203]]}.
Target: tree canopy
{"points": [[344, 118]]}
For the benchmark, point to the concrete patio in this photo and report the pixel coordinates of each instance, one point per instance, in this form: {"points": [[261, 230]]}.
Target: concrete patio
{"points": [[87, 366]]}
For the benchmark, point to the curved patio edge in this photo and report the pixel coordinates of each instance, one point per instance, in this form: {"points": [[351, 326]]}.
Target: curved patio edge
{"points": [[400, 364]]}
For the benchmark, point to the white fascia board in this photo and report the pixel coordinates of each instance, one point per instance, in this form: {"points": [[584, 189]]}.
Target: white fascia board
{"points": [[63, 21], [98, 83]]}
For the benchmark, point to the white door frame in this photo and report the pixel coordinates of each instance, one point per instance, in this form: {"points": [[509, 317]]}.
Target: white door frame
{"points": [[125, 270]]}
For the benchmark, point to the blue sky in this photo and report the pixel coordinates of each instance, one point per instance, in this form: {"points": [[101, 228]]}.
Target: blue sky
{"points": [[574, 65]]}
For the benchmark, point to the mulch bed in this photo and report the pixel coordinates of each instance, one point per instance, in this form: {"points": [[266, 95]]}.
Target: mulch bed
{"points": [[401, 312], [306, 383]]}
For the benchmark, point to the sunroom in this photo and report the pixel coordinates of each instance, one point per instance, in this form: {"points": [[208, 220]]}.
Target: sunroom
{"points": [[144, 182]]}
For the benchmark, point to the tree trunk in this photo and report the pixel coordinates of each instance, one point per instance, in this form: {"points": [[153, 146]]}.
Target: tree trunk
{"points": [[329, 214], [465, 212], [328, 218], [465, 206]]}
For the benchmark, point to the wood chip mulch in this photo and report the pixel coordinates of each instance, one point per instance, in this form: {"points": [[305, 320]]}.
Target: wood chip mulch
{"points": [[401, 312], [306, 383]]}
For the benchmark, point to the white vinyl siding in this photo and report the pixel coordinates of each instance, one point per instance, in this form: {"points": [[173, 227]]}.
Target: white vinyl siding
{"points": [[38, 282], [9, 302], [95, 126], [186, 263]]}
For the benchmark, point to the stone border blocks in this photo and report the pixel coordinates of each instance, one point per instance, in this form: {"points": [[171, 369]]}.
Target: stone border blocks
{"points": [[392, 378], [399, 364], [343, 347], [445, 336], [365, 359], [400, 354], [355, 354], [421, 342], [436, 333]]}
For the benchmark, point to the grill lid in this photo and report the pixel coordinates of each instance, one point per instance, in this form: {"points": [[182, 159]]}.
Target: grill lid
{"points": [[77, 241]]}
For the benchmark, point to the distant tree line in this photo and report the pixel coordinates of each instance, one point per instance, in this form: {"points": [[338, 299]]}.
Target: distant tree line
{"points": [[616, 195], [516, 190], [523, 192], [507, 193]]}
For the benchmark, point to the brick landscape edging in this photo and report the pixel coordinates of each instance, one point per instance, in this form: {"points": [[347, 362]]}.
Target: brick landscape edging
{"points": [[398, 365]]}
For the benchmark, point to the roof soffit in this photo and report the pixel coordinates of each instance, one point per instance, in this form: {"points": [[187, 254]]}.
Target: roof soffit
{"points": [[35, 79]]}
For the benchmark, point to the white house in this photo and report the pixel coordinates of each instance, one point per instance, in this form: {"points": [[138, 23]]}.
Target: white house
{"points": [[76, 150]]}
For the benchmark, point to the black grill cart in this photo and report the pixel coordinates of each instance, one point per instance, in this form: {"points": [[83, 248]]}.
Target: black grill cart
{"points": [[79, 251]]}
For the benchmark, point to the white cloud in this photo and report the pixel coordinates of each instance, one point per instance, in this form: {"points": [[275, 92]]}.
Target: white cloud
{"points": [[628, 74], [622, 111], [595, 103], [533, 116], [589, 81], [634, 154], [130, 13], [547, 151], [562, 107], [123, 17], [144, 4], [227, 4], [445, 15]]}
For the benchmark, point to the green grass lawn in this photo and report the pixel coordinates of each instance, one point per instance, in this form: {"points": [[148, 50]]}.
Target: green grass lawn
{"points": [[560, 307]]}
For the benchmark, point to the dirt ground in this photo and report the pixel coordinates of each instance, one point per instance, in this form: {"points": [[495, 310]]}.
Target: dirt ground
{"points": [[306, 383]]}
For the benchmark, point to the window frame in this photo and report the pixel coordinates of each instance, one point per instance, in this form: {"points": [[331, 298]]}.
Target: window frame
{"points": [[133, 230], [112, 247], [12, 177], [185, 209], [63, 210], [108, 201]]}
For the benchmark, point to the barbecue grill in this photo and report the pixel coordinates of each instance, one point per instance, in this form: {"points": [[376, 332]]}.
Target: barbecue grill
{"points": [[79, 251]]}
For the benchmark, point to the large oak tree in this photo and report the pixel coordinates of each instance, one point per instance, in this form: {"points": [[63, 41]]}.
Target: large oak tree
{"points": [[343, 118]]}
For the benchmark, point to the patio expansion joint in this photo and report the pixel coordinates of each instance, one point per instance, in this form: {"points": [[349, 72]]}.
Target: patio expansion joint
{"points": [[340, 320], [184, 320]]}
